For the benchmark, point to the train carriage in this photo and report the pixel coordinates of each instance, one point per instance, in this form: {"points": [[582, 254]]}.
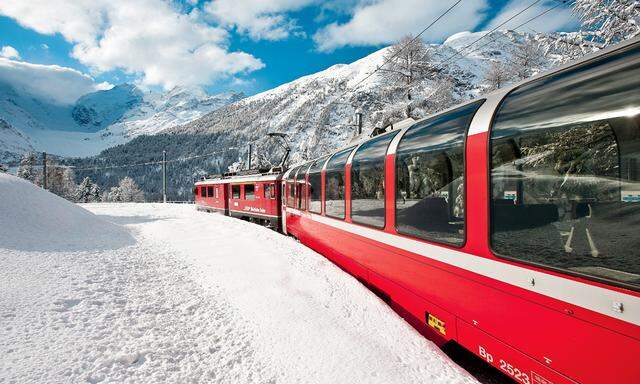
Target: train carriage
{"points": [[508, 225], [252, 195]]}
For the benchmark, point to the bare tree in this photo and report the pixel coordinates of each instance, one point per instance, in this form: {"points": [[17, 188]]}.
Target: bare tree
{"points": [[604, 22], [497, 76], [528, 59], [408, 64]]}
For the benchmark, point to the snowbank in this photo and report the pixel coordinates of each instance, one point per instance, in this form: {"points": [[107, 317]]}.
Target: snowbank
{"points": [[33, 219]]}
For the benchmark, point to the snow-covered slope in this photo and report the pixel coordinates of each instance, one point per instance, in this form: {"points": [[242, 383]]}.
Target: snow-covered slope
{"points": [[96, 120], [316, 111], [136, 293]]}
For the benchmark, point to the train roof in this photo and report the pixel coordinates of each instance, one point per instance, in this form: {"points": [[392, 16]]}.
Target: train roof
{"points": [[270, 174]]}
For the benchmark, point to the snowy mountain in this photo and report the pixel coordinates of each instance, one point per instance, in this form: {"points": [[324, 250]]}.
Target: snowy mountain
{"points": [[316, 111], [96, 120]]}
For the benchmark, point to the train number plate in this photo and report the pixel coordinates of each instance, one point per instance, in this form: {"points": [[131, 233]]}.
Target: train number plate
{"points": [[436, 324]]}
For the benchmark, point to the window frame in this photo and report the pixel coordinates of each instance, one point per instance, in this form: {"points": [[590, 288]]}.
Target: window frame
{"points": [[489, 184], [323, 160], [480, 103], [239, 192], [344, 170], [384, 176], [253, 192]]}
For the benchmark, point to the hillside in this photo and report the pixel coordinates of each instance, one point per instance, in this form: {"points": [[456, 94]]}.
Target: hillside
{"points": [[97, 120], [315, 111]]}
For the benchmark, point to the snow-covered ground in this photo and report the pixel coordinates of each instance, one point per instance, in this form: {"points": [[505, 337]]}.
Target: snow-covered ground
{"points": [[162, 293]]}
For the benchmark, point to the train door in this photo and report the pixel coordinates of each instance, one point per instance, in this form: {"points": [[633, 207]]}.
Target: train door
{"points": [[283, 206]]}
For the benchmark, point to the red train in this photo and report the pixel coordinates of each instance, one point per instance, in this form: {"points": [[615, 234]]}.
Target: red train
{"points": [[509, 225]]}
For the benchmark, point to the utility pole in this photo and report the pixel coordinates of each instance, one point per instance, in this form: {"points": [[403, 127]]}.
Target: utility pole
{"points": [[164, 176], [44, 170], [249, 159]]}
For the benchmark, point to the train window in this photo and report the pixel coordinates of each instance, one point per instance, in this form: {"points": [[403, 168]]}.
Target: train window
{"points": [[430, 178], [334, 205], [315, 185], [203, 192], [235, 191], [367, 182], [291, 192], [565, 181], [210, 191], [301, 185], [249, 191]]}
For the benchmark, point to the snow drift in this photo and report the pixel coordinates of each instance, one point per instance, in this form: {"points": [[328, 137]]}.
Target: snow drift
{"points": [[33, 219]]}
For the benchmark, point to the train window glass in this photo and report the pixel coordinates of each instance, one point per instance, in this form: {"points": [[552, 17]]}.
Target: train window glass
{"points": [[210, 191], [270, 191], [203, 192], [565, 177], [335, 184], [291, 192], [301, 185], [315, 185], [235, 191], [249, 191], [367, 182], [430, 178]]}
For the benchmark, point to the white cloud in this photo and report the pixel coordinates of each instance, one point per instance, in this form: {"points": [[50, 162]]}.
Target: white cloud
{"points": [[57, 84], [259, 19], [386, 21], [558, 19], [147, 38], [8, 52], [44, 46]]}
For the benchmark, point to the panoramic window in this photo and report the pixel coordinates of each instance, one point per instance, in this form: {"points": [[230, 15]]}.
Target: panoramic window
{"points": [[291, 191], [315, 185], [367, 182], [565, 177], [235, 191], [334, 184], [301, 185], [249, 191], [430, 178]]}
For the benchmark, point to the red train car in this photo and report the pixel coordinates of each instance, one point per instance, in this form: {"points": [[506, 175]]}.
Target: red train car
{"points": [[251, 195], [509, 225]]}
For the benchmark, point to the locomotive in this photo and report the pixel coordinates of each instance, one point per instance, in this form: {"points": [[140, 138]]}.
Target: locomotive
{"points": [[508, 224]]}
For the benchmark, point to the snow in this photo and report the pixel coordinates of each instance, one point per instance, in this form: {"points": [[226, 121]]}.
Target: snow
{"points": [[163, 293]]}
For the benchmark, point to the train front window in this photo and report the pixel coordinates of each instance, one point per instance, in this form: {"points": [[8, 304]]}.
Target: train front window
{"points": [[315, 185], [301, 185], [430, 178], [334, 184], [235, 191], [565, 178], [367, 182], [249, 191], [291, 191]]}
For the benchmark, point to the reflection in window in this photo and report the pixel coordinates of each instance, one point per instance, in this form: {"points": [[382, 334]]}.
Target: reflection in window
{"points": [[430, 178], [565, 179], [367, 182], [301, 187], [315, 185], [291, 192], [235, 191], [334, 184], [249, 191]]}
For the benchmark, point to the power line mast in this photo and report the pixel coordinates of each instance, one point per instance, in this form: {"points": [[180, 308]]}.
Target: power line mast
{"points": [[44, 170], [164, 176]]}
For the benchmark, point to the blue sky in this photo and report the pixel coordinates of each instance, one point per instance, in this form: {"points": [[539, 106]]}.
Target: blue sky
{"points": [[247, 45]]}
